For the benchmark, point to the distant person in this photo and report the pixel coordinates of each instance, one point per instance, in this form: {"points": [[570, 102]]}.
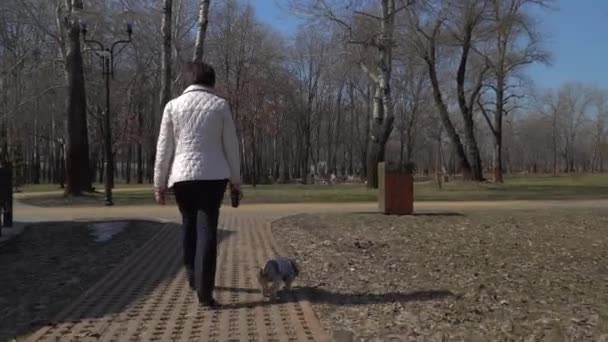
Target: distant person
{"points": [[197, 155]]}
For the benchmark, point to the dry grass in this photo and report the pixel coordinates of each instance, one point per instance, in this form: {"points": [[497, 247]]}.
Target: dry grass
{"points": [[491, 276]]}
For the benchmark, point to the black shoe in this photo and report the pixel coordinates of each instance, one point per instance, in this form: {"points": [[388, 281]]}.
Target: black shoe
{"points": [[211, 303], [190, 275]]}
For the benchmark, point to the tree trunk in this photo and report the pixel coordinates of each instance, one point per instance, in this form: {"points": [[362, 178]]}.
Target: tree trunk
{"points": [[338, 128], [94, 162], [165, 81], [401, 146], [276, 164], [368, 122], [254, 157], [77, 144], [554, 141], [438, 163], [128, 166], [306, 159], [244, 157], [286, 172], [466, 107], [497, 169], [473, 150], [382, 126], [140, 166], [351, 132], [4, 158], [36, 162], [465, 167], [316, 155], [383, 107], [203, 21], [305, 156], [166, 56], [430, 59], [101, 167], [330, 142]]}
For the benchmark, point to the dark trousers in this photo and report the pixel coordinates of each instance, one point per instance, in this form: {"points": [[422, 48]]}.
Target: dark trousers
{"points": [[199, 203]]}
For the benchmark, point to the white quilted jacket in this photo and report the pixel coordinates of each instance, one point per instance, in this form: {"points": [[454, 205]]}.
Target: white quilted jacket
{"points": [[197, 140]]}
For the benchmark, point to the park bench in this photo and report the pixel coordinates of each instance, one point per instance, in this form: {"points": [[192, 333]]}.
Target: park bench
{"points": [[6, 198]]}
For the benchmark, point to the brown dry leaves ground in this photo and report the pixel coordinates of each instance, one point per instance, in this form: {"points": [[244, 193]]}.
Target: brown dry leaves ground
{"points": [[484, 276], [50, 264]]}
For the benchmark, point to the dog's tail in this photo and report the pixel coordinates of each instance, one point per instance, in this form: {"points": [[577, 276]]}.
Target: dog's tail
{"points": [[296, 269]]}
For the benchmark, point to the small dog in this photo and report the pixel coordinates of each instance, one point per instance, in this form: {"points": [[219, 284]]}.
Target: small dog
{"points": [[276, 271]]}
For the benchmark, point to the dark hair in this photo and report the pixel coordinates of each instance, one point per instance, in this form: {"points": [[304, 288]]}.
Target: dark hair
{"points": [[203, 74]]}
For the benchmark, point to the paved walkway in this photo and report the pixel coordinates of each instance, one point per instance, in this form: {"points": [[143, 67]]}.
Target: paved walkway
{"points": [[146, 297]]}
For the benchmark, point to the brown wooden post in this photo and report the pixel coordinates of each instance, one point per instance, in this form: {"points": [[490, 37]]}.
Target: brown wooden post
{"points": [[395, 190]]}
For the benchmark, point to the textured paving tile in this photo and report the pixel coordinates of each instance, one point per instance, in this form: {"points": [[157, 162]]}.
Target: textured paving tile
{"points": [[147, 298]]}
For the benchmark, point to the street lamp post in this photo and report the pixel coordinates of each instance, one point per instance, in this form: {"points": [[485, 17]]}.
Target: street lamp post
{"points": [[107, 57]]}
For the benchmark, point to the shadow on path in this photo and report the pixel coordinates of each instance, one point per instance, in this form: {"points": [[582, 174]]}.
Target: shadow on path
{"points": [[416, 213], [112, 276], [321, 296], [440, 214]]}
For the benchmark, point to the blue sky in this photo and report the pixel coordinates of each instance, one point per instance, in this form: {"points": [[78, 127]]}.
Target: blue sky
{"points": [[577, 36], [274, 12]]}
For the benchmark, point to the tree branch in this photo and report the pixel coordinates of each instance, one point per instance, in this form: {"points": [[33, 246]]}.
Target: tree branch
{"points": [[38, 24], [369, 73], [368, 15], [486, 116], [407, 4], [513, 96], [478, 86], [53, 140], [331, 16], [508, 111], [34, 98]]}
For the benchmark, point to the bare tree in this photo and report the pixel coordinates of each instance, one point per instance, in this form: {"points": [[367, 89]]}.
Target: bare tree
{"points": [[165, 71], [380, 44], [203, 21], [552, 106], [577, 98], [76, 144], [411, 103], [568, 109], [166, 59], [309, 54], [313, 100], [427, 36], [512, 24], [472, 15], [383, 117], [600, 131]]}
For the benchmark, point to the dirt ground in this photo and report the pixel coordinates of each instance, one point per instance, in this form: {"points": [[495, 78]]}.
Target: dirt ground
{"points": [[487, 276], [50, 264]]}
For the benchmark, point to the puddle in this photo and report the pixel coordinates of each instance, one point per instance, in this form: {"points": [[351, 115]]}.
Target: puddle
{"points": [[104, 231]]}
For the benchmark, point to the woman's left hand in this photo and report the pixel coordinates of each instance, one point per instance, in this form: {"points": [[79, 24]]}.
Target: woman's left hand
{"points": [[159, 196]]}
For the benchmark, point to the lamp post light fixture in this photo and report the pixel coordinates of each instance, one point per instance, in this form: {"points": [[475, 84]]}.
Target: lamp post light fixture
{"points": [[107, 56]]}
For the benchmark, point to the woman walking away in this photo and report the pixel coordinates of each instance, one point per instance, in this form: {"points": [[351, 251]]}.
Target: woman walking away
{"points": [[197, 154]]}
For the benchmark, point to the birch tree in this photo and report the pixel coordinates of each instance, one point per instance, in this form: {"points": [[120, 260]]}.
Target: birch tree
{"points": [[379, 44], [203, 21], [166, 54]]}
